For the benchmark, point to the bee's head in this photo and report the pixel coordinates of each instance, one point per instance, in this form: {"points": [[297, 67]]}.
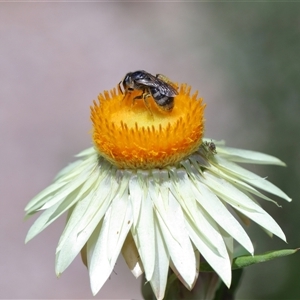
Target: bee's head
{"points": [[127, 81], [131, 80]]}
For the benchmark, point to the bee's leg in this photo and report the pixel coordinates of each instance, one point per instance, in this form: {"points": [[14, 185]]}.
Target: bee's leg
{"points": [[138, 97], [126, 92], [146, 95]]}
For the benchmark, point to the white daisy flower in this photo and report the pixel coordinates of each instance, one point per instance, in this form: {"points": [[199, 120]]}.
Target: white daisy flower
{"points": [[153, 189]]}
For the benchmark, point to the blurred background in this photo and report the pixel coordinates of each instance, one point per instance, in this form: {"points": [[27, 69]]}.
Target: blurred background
{"points": [[56, 57]]}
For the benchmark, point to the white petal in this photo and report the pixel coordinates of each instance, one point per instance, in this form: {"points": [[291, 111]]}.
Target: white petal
{"points": [[242, 203], [119, 225], [136, 192], [106, 189], [85, 217], [132, 257], [186, 195], [239, 183], [41, 198], [64, 184], [172, 225], [115, 227], [248, 156], [198, 258], [84, 167], [87, 207], [61, 202], [98, 264], [251, 178], [69, 246], [51, 214], [202, 228], [160, 275], [68, 169], [86, 179], [228, 242], [216, 209], [143, 232], [178, 275], [219, 260], [91, 243], [87, 152]]}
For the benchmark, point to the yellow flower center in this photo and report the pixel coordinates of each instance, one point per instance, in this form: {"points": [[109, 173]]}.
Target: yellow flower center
{"points": [[133, 136]]}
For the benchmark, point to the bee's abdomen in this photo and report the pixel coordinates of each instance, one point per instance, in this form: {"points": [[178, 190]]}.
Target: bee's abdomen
{"points": [[165, 102]]}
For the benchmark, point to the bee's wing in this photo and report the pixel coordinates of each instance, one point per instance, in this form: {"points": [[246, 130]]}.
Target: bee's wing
{"points": [[163, 87], [147, 79], [166, 89]]}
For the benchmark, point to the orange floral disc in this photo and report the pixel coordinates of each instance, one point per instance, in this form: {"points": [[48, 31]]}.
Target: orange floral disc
{"points": [[132, 136]]}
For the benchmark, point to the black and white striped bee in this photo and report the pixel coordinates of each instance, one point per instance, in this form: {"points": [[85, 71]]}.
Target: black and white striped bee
{"points": [[159, 87]]}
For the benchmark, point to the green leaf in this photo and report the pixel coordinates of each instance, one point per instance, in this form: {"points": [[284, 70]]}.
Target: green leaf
{"points": [[245, 261], [248, 260]]}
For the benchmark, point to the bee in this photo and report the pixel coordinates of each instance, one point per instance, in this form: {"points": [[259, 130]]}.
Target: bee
{"points": [[159, 87]]}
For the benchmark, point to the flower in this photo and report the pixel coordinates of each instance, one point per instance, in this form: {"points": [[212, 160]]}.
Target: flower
{"points": [[154, 189]]}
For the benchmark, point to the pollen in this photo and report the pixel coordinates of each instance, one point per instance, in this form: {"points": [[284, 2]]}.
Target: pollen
{"points": [[133, 135]]}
